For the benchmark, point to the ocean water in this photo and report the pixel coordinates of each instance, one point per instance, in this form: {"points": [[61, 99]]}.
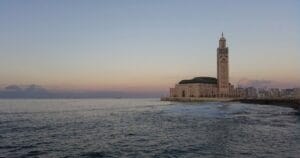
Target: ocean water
{"points": [[145, 128]]}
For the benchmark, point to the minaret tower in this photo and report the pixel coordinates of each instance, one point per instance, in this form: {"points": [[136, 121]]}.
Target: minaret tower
{"points": [[223, 68]]}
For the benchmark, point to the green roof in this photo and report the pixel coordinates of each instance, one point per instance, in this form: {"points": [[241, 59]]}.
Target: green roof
{"points": [[207, 80]]}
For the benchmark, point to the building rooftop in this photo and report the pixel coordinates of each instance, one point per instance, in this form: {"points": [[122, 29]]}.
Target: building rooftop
{"points": [[207, 80]]}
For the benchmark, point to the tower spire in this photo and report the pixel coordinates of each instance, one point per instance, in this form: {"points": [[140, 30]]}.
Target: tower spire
{"points": [[222, 42]]}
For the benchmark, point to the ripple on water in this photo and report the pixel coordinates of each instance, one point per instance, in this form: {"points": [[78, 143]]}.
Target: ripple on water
{"points": [[147, 128], [34, 153], [95, 154]]}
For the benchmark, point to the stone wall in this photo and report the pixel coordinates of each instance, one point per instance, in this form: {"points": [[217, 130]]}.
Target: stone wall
{"points": [[194, 90], [201, 90]]}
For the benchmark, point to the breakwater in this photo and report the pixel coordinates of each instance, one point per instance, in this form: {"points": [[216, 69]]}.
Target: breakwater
{"points": [[284, 102], [292, 103], [195, 99]]}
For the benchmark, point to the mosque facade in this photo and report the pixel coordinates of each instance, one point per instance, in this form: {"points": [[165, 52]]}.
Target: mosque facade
{"points": [[202, 87]]}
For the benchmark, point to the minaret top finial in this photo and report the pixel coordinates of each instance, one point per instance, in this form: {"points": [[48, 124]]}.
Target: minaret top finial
{"points": [[222, 42], [222, 37]]}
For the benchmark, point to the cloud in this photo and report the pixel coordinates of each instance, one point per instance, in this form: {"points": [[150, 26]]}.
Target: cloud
{"points": [[28, 91], [36, 91], [13, 88]]}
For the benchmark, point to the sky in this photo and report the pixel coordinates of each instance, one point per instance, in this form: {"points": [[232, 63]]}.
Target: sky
{"points": [[146, 45]]}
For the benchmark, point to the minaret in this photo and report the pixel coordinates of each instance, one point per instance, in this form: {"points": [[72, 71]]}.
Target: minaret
{"points": [[223, 68]]}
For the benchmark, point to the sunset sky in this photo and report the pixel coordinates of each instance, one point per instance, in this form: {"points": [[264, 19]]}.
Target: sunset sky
{"points": [[146, 45]]}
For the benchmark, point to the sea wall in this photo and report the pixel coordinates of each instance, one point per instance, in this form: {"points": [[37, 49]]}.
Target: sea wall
{"points": [[291, 103], [194, 99]]}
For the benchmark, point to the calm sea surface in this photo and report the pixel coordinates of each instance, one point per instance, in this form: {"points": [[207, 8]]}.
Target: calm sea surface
{"points": [[145, 128]]}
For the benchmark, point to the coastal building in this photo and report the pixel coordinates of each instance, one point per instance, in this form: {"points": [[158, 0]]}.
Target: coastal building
{"points": [[287, 93], [296, 92], [251, 92], [275, 93], [263, 93], [267, 93], [211, 87], [241, 92]]}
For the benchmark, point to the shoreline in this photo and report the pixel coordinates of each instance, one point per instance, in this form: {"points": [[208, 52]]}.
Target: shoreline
{"points": [[283, 102], [190, 99]]}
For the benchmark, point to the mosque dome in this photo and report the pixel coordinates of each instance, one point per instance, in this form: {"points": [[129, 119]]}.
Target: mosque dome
{"points": [[206, 80]]}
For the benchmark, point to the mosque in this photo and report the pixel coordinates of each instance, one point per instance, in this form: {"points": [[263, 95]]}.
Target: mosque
{"points": [[208, 87]]}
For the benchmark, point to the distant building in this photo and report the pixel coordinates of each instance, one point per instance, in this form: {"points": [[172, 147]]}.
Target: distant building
{"points": [[275, 93], [263, 93], [267, 93], [209, 86], [296, 92], [287, 93], [251, 92], [241, 92]]}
